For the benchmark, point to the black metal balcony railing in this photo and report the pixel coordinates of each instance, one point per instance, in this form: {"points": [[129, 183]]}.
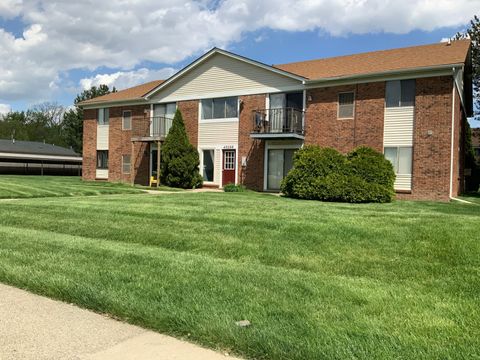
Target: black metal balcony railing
{"points": [[278, 121], [153, 127]]}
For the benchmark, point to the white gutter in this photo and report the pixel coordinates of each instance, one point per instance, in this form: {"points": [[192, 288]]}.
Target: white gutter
{"points": [[452, 135]]}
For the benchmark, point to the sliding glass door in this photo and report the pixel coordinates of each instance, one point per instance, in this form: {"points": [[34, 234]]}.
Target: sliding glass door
{"points": [[280, 162]]}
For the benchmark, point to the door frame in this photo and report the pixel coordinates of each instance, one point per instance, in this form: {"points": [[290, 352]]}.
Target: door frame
{"points": [[275, 145], [235, 163]]}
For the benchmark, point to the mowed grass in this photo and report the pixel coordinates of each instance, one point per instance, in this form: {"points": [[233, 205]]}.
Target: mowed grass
{"points": [[16, 186], [316, 280]]}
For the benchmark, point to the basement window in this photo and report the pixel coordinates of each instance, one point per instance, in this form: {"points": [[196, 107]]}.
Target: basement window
{"points": [[346, 103]]}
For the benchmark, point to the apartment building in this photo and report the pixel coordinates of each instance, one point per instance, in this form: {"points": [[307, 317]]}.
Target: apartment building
{"points": [[247, 118]]}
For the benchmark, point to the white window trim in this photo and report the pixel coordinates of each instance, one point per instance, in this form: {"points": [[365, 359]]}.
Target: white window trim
{"points": [[398, 156], [354, 105], [123, 119], [218, 119]]}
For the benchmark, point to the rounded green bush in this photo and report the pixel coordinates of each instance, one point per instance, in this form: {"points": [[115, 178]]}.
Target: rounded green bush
{"points": [[364, 175], [233, 188], [371, 166]]}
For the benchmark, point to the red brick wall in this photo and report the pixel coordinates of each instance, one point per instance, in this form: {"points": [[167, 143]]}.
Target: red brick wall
{"points": [[365, 128], [89, 165], [431, 153], [189, 111], [120, 141], [254, 150], [140, 163]]}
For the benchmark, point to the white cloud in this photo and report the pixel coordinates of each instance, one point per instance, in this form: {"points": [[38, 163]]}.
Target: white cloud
{"points": [[125, 79], [62, 35], [5, 109]]}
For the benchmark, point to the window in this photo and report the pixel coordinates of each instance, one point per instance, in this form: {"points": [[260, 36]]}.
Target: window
{"points": [[102, 159], [401, 159], [126, 164], [346, 103], [400, 93], [127, 120], [208, 164], [229, 160], [103, 116], [220, 108], [280, 162]]}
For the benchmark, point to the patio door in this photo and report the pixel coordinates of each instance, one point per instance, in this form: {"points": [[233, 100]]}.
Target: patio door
{"points": [[280, 162], [163, 117], [276, 113]]}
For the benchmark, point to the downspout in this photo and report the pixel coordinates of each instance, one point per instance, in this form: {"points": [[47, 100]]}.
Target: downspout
{"points": [[452, 136]]}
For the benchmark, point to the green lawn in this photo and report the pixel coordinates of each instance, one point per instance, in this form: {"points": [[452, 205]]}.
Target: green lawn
{"points": [[317, 280], [15, 186]]}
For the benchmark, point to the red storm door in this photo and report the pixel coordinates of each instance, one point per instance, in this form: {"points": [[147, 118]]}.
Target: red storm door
{"points": [[228, 173]]}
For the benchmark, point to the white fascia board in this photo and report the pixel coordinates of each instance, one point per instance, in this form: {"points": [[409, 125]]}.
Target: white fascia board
{"points": [[108, 104], [443, 70], [5, 155], [225, 53]]}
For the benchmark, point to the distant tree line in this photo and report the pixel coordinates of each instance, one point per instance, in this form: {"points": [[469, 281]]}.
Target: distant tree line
{"points": [[50, 122]]}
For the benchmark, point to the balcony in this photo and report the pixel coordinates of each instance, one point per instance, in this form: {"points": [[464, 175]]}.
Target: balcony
{"points": [[282, 123], [151, 129]]}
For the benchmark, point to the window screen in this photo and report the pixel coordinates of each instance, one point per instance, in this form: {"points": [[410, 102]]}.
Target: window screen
{"points": [[103, 116], [102, 159], [400, 93], [220, 108], [127, 120], [345, 105], [126, 164]]}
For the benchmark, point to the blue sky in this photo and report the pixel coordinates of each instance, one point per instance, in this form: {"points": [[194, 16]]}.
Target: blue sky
{"points": [[50, 51]]}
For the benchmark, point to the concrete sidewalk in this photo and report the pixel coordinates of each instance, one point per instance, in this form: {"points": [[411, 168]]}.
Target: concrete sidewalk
{"points": [[35, 327]]}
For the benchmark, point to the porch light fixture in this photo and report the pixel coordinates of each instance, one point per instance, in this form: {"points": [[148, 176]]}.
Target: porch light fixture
{"points": [[309, 98]]}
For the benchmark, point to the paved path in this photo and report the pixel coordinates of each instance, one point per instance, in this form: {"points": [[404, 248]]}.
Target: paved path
{"points": [[38, 328]]}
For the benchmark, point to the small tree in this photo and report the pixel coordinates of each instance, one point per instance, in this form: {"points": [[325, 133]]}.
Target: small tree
{"points": [[179, 159]]}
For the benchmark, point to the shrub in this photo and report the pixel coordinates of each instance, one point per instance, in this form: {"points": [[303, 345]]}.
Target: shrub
{"points": [[179, 159], [233, 188], [311, 163], [364, 175], [371, 166]]}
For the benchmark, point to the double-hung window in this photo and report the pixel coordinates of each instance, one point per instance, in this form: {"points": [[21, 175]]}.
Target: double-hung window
{"points": [[401, 158], [102, 159], [126, 164], [103, 116], [127, 120], [220, 108], [400, 93], [346, 104]]}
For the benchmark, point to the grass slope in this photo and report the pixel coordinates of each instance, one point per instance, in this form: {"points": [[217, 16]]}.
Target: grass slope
{"points": [[15, 186], [317, 280]]}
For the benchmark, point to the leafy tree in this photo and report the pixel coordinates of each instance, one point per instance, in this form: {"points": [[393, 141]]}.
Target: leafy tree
{"points": [[179, 158], [73, 118], [473, 33]]}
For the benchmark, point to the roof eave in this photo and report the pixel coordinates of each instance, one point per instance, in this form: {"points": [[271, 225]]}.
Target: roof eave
{"points": [[392, 73], [94, 105]]}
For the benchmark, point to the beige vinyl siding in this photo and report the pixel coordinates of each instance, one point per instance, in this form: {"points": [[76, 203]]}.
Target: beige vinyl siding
{"points": [[221, 74], [102, 137], [403, 182], [101, 174], [217, 132], [217, 135], [398, 131], [398, 127]]}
